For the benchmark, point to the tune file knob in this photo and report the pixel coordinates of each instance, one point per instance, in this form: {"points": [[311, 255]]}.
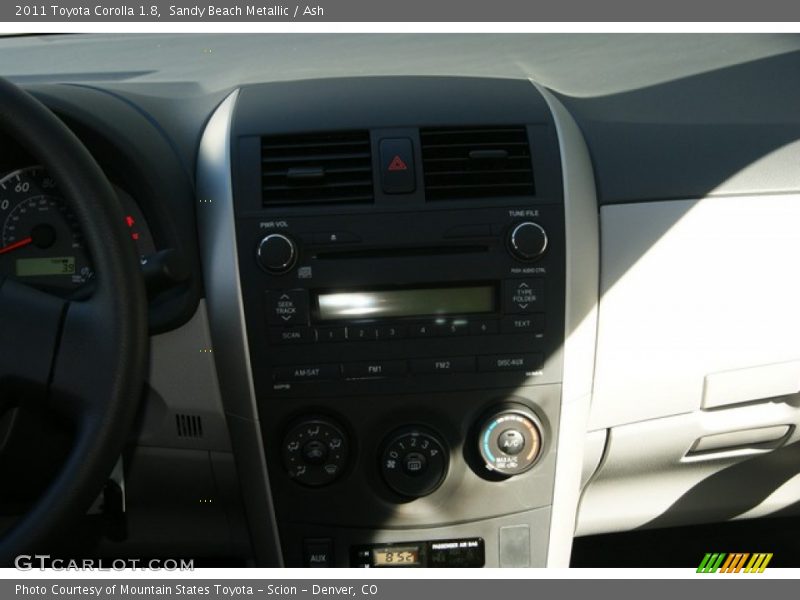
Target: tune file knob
{"points": [[527, 240]]}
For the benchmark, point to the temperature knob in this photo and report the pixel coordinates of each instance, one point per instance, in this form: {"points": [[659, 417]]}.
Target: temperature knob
{"points": [[527, 241], [510, 442], [315, 452], [414, 462], [276, 253]]}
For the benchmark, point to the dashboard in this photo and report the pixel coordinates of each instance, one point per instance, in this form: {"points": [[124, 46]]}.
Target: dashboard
{"points": [[454, 312]]}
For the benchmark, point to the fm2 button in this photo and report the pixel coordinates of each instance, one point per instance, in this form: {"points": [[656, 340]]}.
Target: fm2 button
{"points": [[397, 166]]}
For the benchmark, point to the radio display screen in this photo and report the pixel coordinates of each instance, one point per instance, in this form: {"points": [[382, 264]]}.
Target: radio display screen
{"points": [[422, 302]]}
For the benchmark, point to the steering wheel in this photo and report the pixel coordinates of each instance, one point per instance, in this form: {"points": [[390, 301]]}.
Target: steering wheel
{"points": [[83, 361]]}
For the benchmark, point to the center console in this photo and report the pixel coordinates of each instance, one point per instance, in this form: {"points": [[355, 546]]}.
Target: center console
{"points": [[399, 273]]}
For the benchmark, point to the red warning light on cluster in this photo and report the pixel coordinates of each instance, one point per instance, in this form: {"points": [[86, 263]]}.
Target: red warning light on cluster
{"points": [[130, 222]]}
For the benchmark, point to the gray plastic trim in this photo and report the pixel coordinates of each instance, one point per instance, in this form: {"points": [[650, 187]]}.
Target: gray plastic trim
{"points": [[217, 237], [582, 285]]}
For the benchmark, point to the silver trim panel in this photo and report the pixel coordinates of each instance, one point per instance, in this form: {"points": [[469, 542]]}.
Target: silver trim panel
{"points": [[217, 238], [580, 334]]}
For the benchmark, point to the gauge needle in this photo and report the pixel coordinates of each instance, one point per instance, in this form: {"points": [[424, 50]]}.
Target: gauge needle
{"points": [[20, 244]]}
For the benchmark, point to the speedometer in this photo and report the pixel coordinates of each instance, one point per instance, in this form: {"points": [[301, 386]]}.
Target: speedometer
{"points": [[40, 241]]}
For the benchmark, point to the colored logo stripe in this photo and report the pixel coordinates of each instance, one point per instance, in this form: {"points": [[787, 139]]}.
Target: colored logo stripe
{"points": [[758, 563], [734, 562], [711, 562], [723, 562]]}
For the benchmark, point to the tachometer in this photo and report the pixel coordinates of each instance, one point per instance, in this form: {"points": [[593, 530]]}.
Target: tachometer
{"points": [[40, 241]]}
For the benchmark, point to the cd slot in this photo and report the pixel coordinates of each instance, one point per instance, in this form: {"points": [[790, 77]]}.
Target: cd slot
{"points": [[394, 252]]}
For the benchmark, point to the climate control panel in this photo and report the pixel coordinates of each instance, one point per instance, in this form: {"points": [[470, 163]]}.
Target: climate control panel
{"points": [[414, 461], [510, 441], [315, 451]]}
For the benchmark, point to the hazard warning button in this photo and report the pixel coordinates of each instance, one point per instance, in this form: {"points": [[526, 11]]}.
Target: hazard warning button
{"points": [[397, 166]]}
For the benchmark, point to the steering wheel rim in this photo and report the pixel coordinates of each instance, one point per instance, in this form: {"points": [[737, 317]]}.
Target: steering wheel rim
{"points": [[85, 359]]}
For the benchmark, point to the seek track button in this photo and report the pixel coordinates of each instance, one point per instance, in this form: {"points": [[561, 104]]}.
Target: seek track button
{"points": [[287, 307]]}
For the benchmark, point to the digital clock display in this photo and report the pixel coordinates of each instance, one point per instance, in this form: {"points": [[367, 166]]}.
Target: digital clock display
{"points": [[396, 556]]}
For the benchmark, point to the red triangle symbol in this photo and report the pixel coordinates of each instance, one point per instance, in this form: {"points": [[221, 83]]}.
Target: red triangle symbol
{"points": [[397, 164]]}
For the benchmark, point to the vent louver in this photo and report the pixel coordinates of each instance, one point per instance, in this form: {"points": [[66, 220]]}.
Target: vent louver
{"points": [[477, 162], [189, 426], [317, 168]]}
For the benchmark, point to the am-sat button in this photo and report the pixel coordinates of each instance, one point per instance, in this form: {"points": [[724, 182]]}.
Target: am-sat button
{"points": [[306, 373]]}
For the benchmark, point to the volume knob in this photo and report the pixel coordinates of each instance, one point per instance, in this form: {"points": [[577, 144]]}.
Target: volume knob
{"points": [[527, 240], [276, 253]]}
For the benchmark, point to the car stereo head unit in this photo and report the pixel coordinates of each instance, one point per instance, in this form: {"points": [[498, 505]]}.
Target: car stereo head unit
{"points": [[455, 304]]}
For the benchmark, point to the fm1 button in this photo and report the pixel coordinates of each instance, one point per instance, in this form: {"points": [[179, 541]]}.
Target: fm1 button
{"points": [[397, 166]]}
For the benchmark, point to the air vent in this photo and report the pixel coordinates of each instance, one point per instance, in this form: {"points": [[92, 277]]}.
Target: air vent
{"points": [[189, 426], [476, 163], [316, 168]]}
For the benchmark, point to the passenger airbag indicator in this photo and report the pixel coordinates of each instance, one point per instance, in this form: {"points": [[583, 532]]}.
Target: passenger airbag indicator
{"points": [[466, 552]]}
